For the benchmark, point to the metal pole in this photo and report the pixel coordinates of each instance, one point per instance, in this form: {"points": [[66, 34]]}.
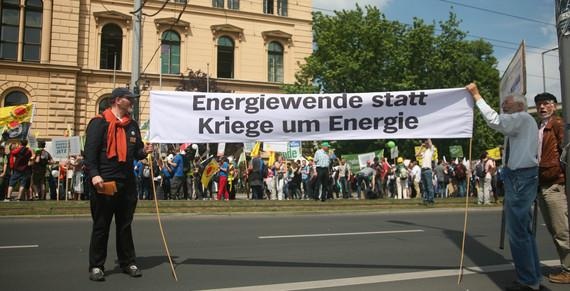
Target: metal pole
{"points": [[562, 13], [136, 60], [543, 75]]}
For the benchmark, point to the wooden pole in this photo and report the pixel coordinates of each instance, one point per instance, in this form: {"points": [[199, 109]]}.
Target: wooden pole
{"points": [[460, 277], [158, 218]]}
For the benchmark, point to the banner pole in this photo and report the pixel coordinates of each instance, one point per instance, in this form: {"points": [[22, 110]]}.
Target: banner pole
{"points": [[151, 165], [460, 277]]}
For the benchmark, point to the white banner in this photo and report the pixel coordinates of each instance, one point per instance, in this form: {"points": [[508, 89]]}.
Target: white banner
{"points": [[176, 117], [364, 158], [276, 146], [221, 149]]}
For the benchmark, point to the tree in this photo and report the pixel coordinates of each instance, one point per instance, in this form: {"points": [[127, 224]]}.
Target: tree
{"points": [[361, 50]]}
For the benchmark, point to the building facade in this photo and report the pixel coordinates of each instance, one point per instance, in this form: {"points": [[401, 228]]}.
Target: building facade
{"points": [[66, 56]]}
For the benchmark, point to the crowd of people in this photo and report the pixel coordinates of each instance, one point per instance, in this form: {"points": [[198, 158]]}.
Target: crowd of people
{"points": [[34, 175]]}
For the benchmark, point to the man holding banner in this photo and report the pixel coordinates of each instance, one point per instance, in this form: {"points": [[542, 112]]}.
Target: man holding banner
{"points": [[113, 141], [521, 182]]}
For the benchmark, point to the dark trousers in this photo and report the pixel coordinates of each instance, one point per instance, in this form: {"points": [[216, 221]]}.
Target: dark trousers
{"points": [[256, 192], [121, 205], [322, 180]]}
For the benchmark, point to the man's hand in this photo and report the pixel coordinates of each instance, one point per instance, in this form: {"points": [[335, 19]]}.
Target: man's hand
{"points": [[472, 88], [97, 181]]}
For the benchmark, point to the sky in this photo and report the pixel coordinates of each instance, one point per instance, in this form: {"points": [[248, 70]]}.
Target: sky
{"points": [[505, 24]]}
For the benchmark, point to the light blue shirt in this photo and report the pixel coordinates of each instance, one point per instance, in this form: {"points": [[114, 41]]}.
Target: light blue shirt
{"points": [[521, 131], [322, 159]]}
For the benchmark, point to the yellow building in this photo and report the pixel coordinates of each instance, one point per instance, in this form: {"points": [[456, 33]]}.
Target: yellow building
{"points": [[66, 56]]}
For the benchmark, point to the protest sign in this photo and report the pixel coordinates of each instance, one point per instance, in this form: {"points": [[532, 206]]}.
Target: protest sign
{"points": [[176, 117]]}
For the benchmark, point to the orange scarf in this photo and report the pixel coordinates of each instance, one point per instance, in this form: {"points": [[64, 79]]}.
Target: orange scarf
{"points": [[116, 135]]}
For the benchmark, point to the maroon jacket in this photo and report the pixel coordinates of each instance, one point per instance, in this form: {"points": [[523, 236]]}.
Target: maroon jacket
{"points": [[550, 171]]}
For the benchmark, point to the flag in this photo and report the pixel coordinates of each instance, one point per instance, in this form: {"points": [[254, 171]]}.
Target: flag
{"points": [[271, 159], [494, 153], [242, 158], [12, 116], [15, 121], [209, 171], [256, 149]]}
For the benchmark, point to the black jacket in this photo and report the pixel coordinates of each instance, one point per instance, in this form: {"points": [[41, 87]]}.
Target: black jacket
{"points": [[96, 161]]}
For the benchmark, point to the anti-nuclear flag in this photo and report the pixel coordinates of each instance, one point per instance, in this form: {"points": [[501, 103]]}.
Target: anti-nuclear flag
{"points": [[209, 171], [177, 117], [15, 121]]}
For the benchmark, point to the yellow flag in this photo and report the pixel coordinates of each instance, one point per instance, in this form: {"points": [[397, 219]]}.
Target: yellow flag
{"points": [[12, 116], [418, 149], [271, 159], [256, 149], [494, 153], [209, 172]]}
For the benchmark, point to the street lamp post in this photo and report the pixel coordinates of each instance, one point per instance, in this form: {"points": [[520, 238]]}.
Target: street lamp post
{"points": [[543, 75]]}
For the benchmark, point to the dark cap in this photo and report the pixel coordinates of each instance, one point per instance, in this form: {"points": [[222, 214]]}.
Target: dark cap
{"points": [[544, 97], [121, 92]]}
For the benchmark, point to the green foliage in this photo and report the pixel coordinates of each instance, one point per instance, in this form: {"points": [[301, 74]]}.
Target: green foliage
{"points": [[361, 50]]}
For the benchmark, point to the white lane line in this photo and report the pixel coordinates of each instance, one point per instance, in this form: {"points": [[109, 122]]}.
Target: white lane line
{"points": [[378, 278], [20, 247], [340, 234]]}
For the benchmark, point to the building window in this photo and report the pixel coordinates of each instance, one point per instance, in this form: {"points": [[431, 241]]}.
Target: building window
{"points": [[282, 7], [111, 47], [10, 21], [275, 62], [233, 4], [170, 52], [218, 3], [32, 30], [103, 104], [268, 6], [15, 98], [225, 57], [30, 48]]}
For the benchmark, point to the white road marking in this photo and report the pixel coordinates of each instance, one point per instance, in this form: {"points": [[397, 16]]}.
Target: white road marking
{"points": [[339, 234], [378, 278], [20, 247]]}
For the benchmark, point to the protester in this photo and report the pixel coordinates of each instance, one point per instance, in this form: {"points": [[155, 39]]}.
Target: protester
{"points": [[552, 191], [322, 161], [113, 141], [257, 170], [223, 180], [426, 153], [4, 176], [521, 182], [21, 169]]}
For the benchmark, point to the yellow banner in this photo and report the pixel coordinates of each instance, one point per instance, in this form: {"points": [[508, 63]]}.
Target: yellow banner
{"points": [[209, 172], [494, 153], [12, 116]]}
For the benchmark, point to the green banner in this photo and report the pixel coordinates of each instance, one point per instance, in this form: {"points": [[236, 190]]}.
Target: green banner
{"points": [[353, 161], [456, 151]]}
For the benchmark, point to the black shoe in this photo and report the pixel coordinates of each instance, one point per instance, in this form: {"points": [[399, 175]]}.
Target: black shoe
{"points": [[516, 286], [132, 270], [96, 274]]}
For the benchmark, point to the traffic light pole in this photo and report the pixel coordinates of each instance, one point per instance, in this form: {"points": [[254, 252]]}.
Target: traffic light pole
{"points": [[563, 32]]}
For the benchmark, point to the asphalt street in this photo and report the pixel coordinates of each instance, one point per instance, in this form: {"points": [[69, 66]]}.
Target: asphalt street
{"points": [[404, 250]]}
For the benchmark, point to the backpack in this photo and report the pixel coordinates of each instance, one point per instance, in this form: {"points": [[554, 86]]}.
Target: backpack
{"points": [[403, 174], [480, 170]]}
